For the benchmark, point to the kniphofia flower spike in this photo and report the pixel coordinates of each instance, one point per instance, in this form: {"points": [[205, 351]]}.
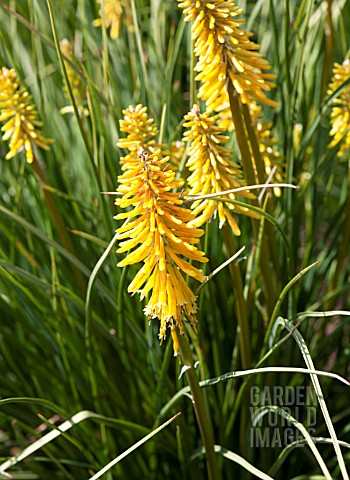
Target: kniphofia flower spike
{"points": [[157, 232], [212, 170], [18, 112], [224, 52]]}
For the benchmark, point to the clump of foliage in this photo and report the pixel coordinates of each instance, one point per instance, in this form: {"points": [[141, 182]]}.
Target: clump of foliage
{"points": [[202, 127]]}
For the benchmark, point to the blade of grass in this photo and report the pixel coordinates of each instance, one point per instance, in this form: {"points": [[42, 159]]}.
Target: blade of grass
{"points": [[133, 448], [238, 374], [64, 427], [308, 360], [260, 412], [234, 457], [289, 448], [281, 298], [92, 279]]}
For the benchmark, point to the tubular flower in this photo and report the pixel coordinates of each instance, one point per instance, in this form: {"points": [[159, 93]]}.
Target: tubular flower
{"points": [[225, 52], [340, 115], [213, 171], [75, 80], [114, 10], [158, 234], [17, 110]]}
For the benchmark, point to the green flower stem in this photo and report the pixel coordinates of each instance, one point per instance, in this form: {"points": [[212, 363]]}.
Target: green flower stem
{"points": [[248, 168], [57, 219], [261, 177], [241, 304], [200, 408], [241, 137], [329, 50], [257, 159]]}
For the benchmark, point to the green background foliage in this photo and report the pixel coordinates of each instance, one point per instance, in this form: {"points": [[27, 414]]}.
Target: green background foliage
{"points": [[65, 349]]}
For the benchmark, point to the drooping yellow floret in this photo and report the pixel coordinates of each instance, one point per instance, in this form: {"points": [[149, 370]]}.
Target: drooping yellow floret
{"points": [[340, 115], [114, 12], [157, 232], [21, 126], [213, 170], [224, 52]]}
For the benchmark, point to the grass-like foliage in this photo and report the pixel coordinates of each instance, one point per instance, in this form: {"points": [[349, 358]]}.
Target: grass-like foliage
{"points": [[174, 239]]}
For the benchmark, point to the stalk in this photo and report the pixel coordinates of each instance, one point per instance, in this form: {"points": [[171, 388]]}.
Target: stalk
{"points": [[329, 49], [256, 159], [241, 137], [249, 172], [241, 304], [261, 177], [200, 407]]}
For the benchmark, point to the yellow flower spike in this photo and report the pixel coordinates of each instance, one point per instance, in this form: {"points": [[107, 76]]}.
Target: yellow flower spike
{"points": [[165, 235], [225, 51], [114, 12], [76, 83], [340, 114], [212, 169], [20, 117]]}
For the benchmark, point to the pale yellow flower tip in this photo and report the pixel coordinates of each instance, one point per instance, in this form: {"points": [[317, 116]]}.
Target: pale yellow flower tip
{"points": [[19, 117], [340, 114], [157, 233]]}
